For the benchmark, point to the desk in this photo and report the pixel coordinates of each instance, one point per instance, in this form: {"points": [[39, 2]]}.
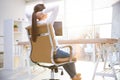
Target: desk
{"points": [[98, 41], [81, 41], [88, 41], [104, 44]]}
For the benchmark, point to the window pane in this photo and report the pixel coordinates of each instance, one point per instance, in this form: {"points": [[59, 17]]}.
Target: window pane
{"points": [[77, 12], [103, 16]]}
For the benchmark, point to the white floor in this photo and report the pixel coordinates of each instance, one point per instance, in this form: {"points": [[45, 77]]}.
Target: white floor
{"points": [[38, 73]]}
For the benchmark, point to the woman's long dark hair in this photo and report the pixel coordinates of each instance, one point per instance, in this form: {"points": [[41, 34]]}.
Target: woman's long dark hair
{"points": [[37, 8]]}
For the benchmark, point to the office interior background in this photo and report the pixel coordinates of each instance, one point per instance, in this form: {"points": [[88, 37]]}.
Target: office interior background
{"points": [[81, 19]]}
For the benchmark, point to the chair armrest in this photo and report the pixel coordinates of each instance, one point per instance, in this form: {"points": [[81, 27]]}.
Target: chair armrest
{"points": [[71, 49], [61, 61]]}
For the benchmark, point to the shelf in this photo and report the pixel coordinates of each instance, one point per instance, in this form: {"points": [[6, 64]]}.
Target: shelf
{"points": [[12, 51]]}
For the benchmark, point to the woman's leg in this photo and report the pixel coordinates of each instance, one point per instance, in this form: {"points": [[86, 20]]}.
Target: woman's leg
{"points": [[70, 67]]}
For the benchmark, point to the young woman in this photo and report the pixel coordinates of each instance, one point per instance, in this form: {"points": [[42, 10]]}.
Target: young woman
{"points": [[41, 15]]}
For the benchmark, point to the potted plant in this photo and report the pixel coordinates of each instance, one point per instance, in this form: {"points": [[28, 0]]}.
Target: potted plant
{"points": [[15, 27]]}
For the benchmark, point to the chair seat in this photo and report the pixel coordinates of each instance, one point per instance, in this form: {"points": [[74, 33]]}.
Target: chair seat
{"points": [[63, 60]]}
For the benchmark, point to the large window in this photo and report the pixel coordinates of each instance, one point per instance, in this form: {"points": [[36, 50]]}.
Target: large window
{"points": [[87, 17]]}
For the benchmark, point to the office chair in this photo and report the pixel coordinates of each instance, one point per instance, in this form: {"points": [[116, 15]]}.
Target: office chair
{"points": [[44, 49]]}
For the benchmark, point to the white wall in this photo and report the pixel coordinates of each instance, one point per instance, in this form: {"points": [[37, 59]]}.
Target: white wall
{"points": [[10, 9], [116, 20]]}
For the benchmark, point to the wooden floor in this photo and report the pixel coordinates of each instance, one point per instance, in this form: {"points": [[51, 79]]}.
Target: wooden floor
{"points": [[37, 73]]}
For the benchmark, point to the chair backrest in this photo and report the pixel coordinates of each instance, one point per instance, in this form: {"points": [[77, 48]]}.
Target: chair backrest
{"points": [[42, 50]]}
